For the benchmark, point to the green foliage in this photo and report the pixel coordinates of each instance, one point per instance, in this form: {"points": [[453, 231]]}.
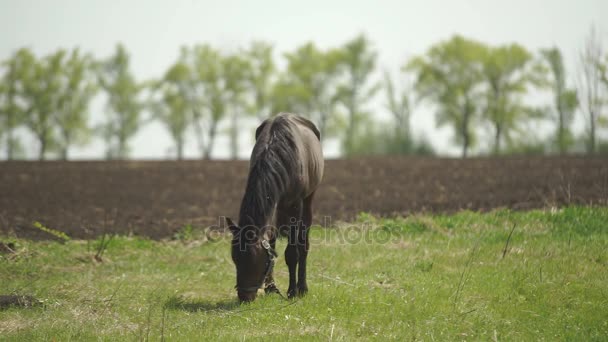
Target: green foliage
{"points": [[124, 106], [382, 139], [101, 245], [171, 106], [56, 233], [206, 91], [400, 226], [41, 93], [602, 148], [236, 71], [508, 70], [471, 85], [603, 67], [435, 278], [358, 62], [50, 96], [184, 233], [565, 99], [580, 221], [592, 97], [12, 115], [449, 76], [400, 106], [308, 86], [77, 90], [365, 217], [261, 77]]}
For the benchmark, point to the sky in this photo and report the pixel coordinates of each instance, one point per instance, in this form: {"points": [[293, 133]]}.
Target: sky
{"points": [[154, 30]]}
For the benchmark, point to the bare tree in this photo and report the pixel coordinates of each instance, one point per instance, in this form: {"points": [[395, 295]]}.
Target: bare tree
{"points": [[589, 85]]}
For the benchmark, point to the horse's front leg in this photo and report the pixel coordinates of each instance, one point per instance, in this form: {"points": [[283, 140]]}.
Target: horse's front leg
{"points": [[289, 220], [269, 284]]}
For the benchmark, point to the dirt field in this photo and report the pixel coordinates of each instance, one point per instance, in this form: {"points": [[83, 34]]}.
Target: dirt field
{"points": [[155, 199]]}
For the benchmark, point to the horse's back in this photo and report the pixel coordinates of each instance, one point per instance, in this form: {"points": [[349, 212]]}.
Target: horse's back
{"points": [[307, 146], [312, 152]]}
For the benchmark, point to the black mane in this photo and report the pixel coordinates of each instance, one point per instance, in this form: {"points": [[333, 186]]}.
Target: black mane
{"points": [[274, 162]]}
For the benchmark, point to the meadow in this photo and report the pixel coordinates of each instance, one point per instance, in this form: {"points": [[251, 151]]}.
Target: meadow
{"points": [[500, 276]]}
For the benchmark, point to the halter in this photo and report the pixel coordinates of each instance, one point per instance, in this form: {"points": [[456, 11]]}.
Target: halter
{"points": [[269, 266]]}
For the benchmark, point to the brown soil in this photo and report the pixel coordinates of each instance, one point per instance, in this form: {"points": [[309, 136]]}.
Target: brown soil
{"points": [[155, 199]]}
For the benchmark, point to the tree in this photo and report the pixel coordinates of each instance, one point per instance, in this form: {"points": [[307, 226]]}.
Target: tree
{"points": [[603, 120], [449, 75], [41, 94], [77, 89], [589, 85], [309, 85], [206, 93], [235, 71], [170, 105], [261, 75], [508, 72], [399, 105], [358, 62], [12, 114], [124, 106], [565, 99]]}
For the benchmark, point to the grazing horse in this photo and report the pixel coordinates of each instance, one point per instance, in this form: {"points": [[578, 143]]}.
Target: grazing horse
{"points": [[285, 169]]}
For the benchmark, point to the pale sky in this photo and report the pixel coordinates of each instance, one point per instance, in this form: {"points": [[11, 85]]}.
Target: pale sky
{"points": [[154, 30]]}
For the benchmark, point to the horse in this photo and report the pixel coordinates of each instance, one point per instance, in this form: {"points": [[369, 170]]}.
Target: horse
{"points": [[285, 169]]}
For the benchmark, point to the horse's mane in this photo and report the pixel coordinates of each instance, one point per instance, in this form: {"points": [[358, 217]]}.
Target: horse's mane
{"points": [[274, 163]]}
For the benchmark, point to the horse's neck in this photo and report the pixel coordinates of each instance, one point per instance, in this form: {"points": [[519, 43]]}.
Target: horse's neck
{"points": [[255, 210]]}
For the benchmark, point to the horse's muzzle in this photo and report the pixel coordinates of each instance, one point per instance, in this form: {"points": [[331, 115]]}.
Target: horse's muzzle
{"points": [[247, 296]]}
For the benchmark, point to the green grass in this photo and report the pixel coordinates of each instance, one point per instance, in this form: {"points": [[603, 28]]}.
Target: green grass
{"points": [[418, 278]]}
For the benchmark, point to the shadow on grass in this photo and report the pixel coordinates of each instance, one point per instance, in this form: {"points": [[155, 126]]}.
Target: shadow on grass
{"points": [[198, 305]]}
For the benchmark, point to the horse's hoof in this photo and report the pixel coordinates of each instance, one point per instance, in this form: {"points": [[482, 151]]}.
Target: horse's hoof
{"points": [[302, 291], [292, 293]]}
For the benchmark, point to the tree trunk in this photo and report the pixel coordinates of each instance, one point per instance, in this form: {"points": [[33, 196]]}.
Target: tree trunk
{"points": [[121, 149], [350, 132], [465, 131], [64, 153], [497, 136], [234, 136], [42, 150], [322, 121], [591, 147], [180, 149], [561, 135], [65, 149], [198, 131], [122, 146], [211, 137], [9, 145]]}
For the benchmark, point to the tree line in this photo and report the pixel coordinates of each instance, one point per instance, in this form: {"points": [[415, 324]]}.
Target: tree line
{"points": [[472, 87]]}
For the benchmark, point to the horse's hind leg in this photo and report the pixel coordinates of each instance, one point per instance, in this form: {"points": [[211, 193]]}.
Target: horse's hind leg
{"points": [[288, 218], [303, 244]]}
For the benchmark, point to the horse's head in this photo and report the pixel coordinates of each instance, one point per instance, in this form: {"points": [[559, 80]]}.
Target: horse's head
{"points": [[252, 257]]}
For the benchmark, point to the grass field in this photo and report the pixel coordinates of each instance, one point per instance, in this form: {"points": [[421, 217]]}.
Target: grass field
{"points": [[456, 277]]}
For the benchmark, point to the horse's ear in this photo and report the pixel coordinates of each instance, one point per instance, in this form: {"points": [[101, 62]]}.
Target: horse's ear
{"points": [[260, 128], [233, 227]]}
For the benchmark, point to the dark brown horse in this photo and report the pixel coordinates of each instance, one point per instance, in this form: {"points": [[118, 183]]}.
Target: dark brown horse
{"points": [[285, 169]]}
